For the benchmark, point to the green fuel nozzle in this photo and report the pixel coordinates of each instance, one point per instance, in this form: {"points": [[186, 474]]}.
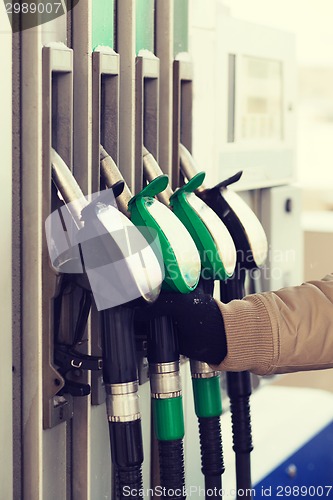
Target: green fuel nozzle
{"points": [[180, 255], [215, 245], [213, 241], [218, 259], [181, 258], [182, 271]]}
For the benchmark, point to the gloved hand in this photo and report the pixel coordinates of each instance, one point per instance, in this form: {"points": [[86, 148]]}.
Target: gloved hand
{"points": [[198, 322]]}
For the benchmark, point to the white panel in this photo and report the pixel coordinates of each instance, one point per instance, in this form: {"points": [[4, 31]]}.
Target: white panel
{"points": [[318, 244], [205, 134], [202, 14], [281, 219], [265, 163], [6, 451]]}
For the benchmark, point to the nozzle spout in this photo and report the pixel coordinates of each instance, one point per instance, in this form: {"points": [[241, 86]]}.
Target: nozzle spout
{"points": [[111, 174], [151, 170], [188, 165], [68, 187]]}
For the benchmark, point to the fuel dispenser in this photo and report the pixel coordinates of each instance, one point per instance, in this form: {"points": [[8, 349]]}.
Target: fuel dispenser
{"points": [[251, 245], [60, 435]]}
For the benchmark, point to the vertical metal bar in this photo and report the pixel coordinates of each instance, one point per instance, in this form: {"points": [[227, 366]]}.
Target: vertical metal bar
{"points": [[17, 271], [125, 46], [164, 47], [182, 114], [105, 108], [31, 164], [105, 131], [57, 132], [231, 97], [57, 125], [147, 109], [6, 412], [44, 452], [82, 117]]}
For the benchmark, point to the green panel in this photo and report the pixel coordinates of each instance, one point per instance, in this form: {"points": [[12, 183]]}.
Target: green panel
{"points": [[145, 15], [168, 419], [207, 397], [180, 26], [102, 23]]}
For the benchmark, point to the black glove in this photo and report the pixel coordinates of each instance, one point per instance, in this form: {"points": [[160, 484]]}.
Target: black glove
{"points": [[198, 322]]}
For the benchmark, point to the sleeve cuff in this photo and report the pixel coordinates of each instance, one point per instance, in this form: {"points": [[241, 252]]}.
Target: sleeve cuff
{"points": [[252, 343]]}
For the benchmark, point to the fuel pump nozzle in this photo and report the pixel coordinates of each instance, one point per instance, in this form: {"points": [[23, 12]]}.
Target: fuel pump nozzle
{"points": [[182, 270], [218, 259], [242, 223], [251, 245], [111, 246], [110, 173]]}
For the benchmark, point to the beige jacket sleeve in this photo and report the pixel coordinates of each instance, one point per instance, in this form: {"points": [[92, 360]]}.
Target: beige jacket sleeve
{"points": [[279, 332]]}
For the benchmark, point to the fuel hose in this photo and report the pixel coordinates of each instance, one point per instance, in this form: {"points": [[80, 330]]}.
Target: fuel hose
{"points": [[251, 245], [163, 358], [163, 355], [218, 260], [122, 399], [239, 391]]}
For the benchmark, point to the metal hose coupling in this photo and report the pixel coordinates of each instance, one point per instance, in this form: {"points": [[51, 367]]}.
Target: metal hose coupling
{"points": [[165, 380], [200, 369], [122, 402], [166, 393]]}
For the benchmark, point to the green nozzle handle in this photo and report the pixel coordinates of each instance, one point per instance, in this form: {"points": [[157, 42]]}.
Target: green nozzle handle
{"points": [[207, 396], [168, 418]]}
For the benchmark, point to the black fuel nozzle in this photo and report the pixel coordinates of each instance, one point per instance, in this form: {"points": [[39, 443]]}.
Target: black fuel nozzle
{"points": [[242, 223], [251, 247]]}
